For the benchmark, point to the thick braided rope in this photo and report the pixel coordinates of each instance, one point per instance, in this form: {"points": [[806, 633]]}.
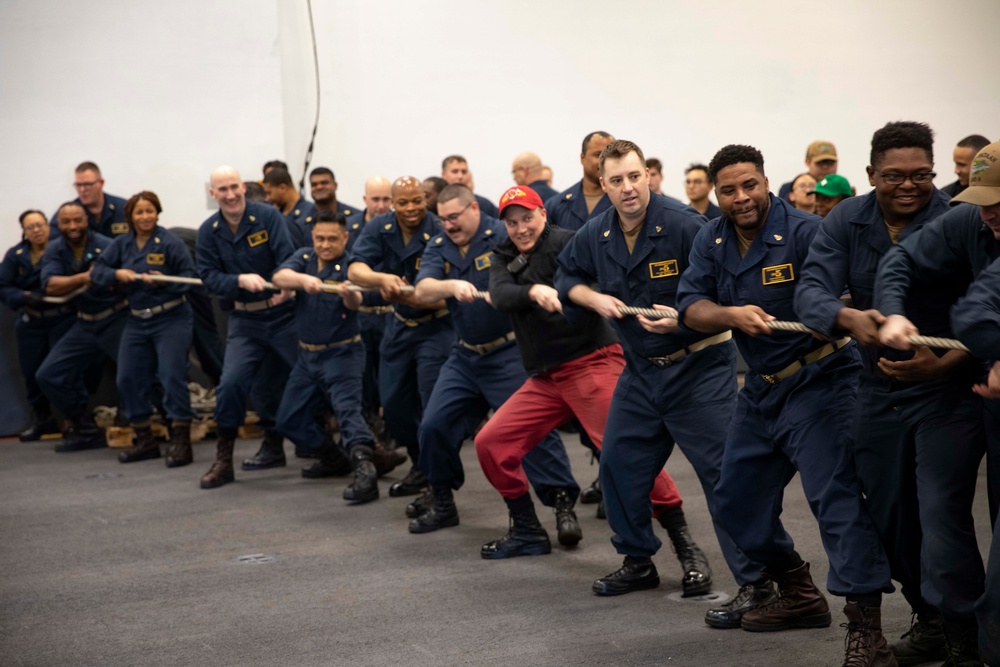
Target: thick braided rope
{"points": [[925, 341]]}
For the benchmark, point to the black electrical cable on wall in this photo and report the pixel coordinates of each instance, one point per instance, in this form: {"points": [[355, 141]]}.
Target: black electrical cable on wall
{"points": [[312, 140]]}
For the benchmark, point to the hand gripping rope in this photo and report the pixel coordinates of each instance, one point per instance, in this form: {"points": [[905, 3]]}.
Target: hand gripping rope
{"points": [[651, 313]]}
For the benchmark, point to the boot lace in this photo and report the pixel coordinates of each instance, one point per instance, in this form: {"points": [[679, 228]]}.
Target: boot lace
{"points": [[857, 644]]}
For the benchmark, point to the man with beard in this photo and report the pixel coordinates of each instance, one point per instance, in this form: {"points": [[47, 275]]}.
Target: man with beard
{"points": [[584, 199], [793, 415], [66, 267], [323, 188]]}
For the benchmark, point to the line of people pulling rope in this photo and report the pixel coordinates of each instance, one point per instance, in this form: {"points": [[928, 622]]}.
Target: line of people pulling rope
{"points": [[630, 325]]}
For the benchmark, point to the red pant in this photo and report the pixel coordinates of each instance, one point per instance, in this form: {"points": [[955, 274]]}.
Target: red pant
{"points": [[582, 387]]}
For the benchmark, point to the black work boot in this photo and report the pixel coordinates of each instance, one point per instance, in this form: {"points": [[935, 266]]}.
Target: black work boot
{"points": [[526, 536], [82, 434], [601, 514], [43, 425], [270, 455], [411, 485], [567, 526], [864, 645], [799, 604], [923, 642], [333, 461], [364, 488], [420, 504], [697, 572], [180, 453], [145, 446], [963, 644], [750, 596], [592, 494], [221, 471], [635, 574], [442, 514]]}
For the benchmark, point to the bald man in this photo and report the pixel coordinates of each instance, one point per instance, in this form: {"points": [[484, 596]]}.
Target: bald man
{"points": [[371, 318], [418, 335], [528, 169], [239, 247]]}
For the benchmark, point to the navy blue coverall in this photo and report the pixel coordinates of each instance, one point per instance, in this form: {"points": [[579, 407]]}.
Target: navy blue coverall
{"points": [[158, 331], [916, 444], [100, 322], [474, 381], [688, 400], [259, 245], [799, 424], [330, 362], [416, 340]]}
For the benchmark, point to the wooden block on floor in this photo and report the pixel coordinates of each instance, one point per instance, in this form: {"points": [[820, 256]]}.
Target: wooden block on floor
{"points": [[119, 436]]}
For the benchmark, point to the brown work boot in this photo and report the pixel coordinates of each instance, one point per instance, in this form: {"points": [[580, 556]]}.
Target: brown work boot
{"points": [[386, 460], [864, 645], [221, 471], [145, 446], [799, 605], [180, 453]]}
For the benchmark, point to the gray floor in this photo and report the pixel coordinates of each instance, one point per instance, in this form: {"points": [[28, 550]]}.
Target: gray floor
{"points": [[105, 564]]}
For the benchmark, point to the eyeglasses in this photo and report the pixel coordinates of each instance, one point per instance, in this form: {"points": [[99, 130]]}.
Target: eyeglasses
{"points": [[805, 187], [85, 186], [453, 218], [919, 178], [695, 181], [35, 225]]}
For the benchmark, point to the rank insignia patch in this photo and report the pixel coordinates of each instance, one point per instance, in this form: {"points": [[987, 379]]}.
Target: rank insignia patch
{"points": [[156, 259], [483, 261], [782, 273], [257, 238], [664, 269]]}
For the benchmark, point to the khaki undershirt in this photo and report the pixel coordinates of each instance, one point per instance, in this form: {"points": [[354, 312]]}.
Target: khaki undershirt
{"points": [[36, 255], [632, 235], [894, 231], [464, 250], [78, 252], [743, 242], [592, 200]]}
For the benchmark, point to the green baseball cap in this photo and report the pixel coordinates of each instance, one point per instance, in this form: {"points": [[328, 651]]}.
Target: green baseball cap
{"points": [[834, 185]]}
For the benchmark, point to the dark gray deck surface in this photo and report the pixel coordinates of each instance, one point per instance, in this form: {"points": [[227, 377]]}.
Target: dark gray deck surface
{"points": [[109, 564]]}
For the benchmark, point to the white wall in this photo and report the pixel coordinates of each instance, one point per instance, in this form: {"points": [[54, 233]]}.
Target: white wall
{"points": [[156, 93], [160, 93]]}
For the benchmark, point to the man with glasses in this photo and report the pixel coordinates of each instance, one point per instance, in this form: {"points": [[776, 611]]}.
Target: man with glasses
{"points": [[917, 422], [482, 370], [105, 212], [698, 186], [527, 170]]}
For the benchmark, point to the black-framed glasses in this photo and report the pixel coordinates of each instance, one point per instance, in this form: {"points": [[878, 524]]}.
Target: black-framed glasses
{"points": [[85, 186], [918, 178], [453, 218]]}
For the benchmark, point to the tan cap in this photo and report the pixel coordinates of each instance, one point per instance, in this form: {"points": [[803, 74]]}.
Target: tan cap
{"points": [[984, 178], [821, 150]]}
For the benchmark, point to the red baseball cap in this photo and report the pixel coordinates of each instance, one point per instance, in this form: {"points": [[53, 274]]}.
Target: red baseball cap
{"points": [[520, 195]]}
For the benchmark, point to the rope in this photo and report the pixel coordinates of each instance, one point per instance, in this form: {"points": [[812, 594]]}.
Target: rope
{"points": [[651, 313], [66, 297], [924, 341]]}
